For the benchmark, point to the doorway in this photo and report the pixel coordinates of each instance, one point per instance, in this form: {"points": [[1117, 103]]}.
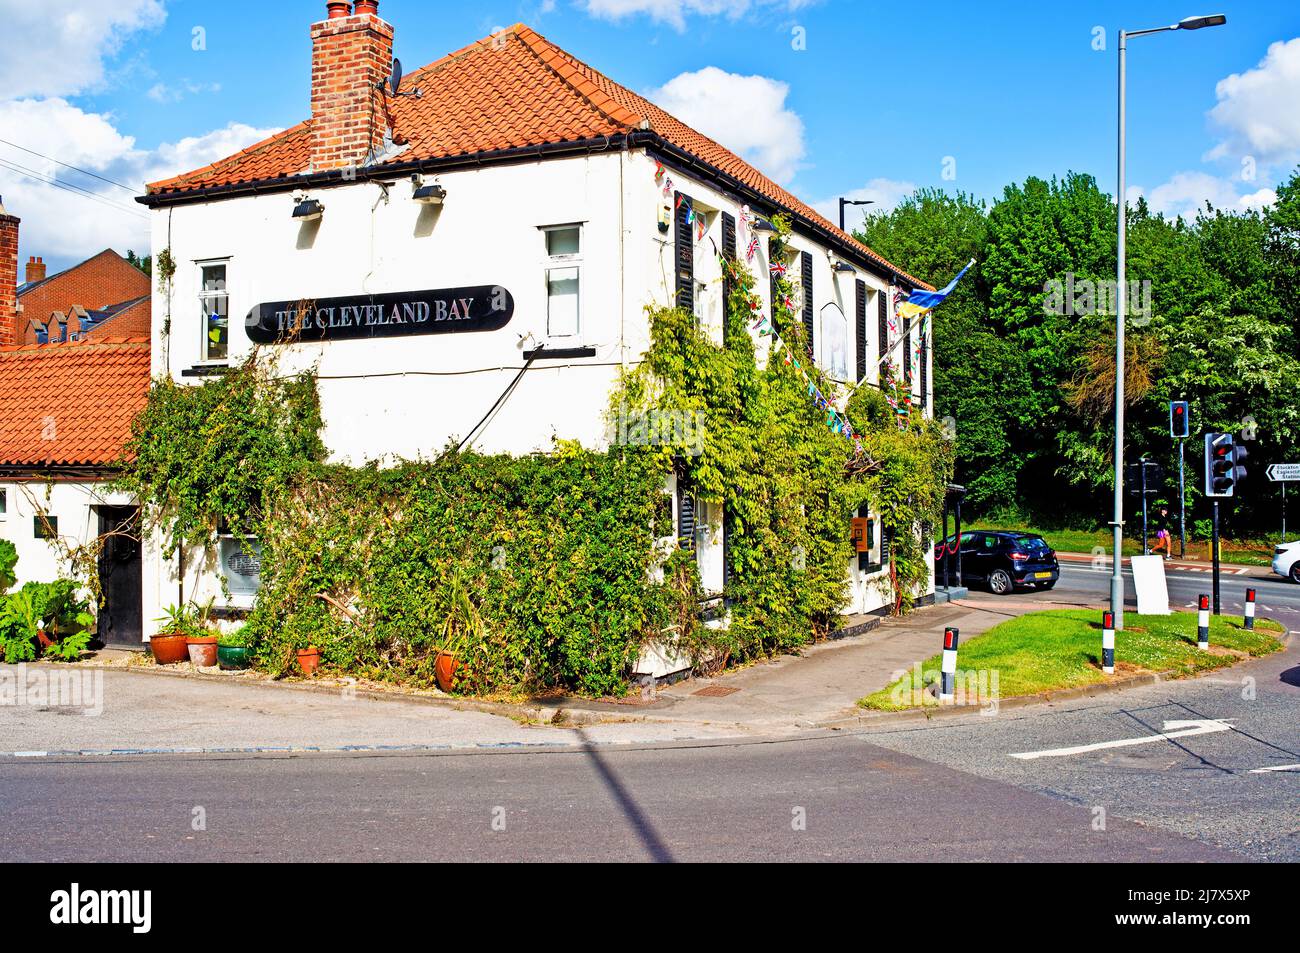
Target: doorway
{"points": [[120, 616]]}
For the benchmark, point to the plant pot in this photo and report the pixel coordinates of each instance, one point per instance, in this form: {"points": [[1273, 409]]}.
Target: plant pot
{"points": [[232, 657], [447, 668], [169, 649], [309, 660], [203, 651]]}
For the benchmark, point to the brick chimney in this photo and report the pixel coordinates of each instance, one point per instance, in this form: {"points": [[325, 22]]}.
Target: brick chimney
{"points": [[351, 54], [8, 277], [35, 269]]}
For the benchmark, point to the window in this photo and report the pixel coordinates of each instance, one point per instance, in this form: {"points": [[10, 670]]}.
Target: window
{"points": [[215, 303], [834, 340], [563, 280], [45, 527], [241, 564], [4, 503]]}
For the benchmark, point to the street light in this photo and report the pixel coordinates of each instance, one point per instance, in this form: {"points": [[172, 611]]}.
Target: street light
{"points": [[1121, 299], [844, 202]]}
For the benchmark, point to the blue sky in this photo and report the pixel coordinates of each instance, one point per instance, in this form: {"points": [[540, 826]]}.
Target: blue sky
{"points": [[882, 97]]}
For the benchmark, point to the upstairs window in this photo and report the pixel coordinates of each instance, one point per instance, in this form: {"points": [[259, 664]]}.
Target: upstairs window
{"points": [[214, 300], [563, 281]]}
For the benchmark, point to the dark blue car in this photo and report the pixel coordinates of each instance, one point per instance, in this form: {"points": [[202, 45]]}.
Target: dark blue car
{"points": [[1002, 561]]}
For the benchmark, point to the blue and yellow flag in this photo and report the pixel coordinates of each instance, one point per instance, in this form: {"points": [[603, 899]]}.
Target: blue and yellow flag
{"points": [[919, 302]]}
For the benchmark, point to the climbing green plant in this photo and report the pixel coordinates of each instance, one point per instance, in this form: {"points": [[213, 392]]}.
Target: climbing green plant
{"points": [[787, 482], [203, 458]]}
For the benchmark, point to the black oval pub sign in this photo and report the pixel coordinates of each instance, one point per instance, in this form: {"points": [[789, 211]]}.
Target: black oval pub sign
{"points": [[441, 311]]}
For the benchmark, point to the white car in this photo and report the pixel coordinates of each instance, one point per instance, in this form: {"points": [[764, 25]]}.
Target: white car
{"points": [[1286, 560]]}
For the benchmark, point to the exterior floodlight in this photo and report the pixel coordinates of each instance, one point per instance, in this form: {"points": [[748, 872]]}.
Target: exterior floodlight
{"points": [[1196, 23], [842, 267], [308, 210], [430, 194], [761, 224]]}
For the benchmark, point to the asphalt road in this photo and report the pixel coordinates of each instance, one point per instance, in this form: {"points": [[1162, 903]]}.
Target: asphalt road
{"points": [[949, 789], [1274, 596], [735, 802]]}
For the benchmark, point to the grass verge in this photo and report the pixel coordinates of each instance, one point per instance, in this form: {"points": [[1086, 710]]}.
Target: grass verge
{"points": [[1061, 648]]}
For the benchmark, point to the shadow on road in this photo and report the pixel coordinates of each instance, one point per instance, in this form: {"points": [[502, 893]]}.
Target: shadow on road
{"points": [[1291, 676], [659, 851]]}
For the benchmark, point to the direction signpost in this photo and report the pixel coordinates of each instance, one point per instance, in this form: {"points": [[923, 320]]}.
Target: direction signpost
{"points": [[1283, 473]]}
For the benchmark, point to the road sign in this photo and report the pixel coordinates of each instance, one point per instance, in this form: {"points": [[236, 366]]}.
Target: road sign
{"points": [[1283, 472]]}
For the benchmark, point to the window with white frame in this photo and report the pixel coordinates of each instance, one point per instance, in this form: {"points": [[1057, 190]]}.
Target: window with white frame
{"points": [[833, 338], [214, 302], [563, 280], [4, 504]]}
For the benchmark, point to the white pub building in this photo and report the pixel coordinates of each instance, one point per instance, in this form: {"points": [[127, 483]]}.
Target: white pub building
{"points": [[431, 237]]}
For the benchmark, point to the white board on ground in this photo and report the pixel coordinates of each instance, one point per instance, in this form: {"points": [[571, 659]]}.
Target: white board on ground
{"points": [[1149, 581]]}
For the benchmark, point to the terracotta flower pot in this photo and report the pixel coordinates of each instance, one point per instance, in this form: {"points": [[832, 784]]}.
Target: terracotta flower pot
{"points": [[203, 651], [168, 649], [309, 660], [447, 668]]}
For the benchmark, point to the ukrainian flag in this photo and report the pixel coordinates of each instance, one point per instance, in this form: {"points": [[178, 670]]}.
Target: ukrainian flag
{"points": [[920, 302]]}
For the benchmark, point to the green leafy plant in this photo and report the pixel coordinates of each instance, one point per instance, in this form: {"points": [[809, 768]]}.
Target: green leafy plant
{"points": [[236, 638], [19, 623], [175, 620], [8, 560]]}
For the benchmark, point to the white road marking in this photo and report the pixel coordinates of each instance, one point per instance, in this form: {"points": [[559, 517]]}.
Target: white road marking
{"points": [[30, 754], [1276, 767], [1172, 729]]}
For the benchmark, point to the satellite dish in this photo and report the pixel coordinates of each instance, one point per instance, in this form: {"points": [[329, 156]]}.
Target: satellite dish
{"points": [[395, 80]]}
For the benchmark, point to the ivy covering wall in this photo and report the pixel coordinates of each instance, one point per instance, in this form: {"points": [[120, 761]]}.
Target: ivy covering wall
{"points": [[556, 557]]}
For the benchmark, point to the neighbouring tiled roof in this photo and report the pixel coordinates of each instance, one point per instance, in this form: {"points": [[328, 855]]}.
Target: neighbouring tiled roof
{"points": [[511, 90], [70, 404]]}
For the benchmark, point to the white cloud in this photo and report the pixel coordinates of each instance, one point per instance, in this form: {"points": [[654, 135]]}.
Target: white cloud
{"points": [[883, 193], [747, 114], [675, 12], [65, 227], [59, 47], [174, 93], [1257, 109], [1186, 193]]}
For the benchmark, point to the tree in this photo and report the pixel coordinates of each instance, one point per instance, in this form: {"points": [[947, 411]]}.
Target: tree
{"points": [[145, 264]]}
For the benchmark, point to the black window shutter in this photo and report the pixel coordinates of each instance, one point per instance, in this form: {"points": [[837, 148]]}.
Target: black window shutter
{"points": [[685, 253], [860, 315], [925, 371], [886, 543], [685, 514], [805, 275], [882, 313], [771, 281], [729, 253]]}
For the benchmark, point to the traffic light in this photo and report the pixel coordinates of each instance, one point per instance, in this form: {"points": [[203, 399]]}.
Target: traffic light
{"points": [[1223, 469], [1178, 419]]}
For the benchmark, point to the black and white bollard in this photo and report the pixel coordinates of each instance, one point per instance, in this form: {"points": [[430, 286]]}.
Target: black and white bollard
{"points": [[1108, 643], [1250, 609], [948, 667], [1203, 623]]}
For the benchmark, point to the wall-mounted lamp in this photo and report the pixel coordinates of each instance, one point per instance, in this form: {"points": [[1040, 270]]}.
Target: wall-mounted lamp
{"points": [[760, 224], [843, 267], [307, 210], [431, 194]]}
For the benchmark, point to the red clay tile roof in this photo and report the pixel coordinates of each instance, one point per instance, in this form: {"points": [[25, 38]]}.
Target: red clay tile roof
{"points": [[511, 90], [70, 404]]}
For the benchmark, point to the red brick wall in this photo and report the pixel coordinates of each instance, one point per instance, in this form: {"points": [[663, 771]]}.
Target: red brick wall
{"points": [[134, 322], [350, 56], [8, 278], [106, 279]]}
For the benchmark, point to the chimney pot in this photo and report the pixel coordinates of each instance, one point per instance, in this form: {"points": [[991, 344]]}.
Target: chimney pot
{"points": [[367, 6], [339, 8]]}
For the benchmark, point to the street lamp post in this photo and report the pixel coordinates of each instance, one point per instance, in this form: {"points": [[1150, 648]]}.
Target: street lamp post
{"points": [[1121, 301], [844, 202]]}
